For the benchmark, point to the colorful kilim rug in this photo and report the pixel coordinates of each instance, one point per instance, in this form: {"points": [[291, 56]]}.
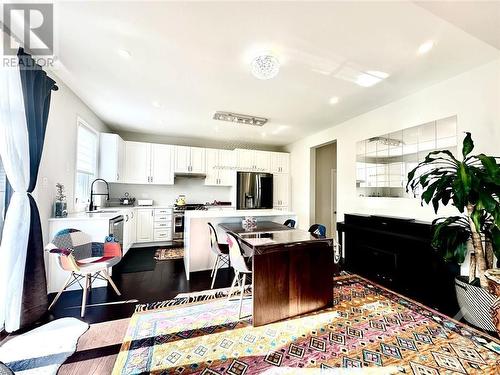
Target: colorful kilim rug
{"points": [[168, 254], [369, 326]]}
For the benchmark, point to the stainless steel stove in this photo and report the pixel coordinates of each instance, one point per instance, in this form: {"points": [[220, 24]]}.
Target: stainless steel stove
{"points": [[178, 215]]}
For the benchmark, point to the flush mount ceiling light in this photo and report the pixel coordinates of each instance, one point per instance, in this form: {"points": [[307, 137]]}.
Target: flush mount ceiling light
{"points": [[240, 119], [156, 104], [265, 66], [371, 78], [387, 141], [334, 100], [425, 47], [124, 53]]}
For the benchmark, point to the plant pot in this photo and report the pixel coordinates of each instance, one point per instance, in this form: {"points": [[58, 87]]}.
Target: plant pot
{"points": [[475, 303], [60, 209]]}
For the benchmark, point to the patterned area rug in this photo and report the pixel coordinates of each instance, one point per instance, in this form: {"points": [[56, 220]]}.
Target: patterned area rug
{"points": [[368, 326], [190, 298], [168, 254]]}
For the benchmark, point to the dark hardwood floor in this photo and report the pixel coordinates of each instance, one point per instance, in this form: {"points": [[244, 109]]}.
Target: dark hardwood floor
{"points": [[141, 279]]}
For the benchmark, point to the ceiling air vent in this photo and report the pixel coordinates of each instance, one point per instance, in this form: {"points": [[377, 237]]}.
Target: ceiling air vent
{"points": [[240, 119]]}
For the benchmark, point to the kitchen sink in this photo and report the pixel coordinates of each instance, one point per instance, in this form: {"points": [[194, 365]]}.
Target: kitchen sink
{"points": [[102, 212]]}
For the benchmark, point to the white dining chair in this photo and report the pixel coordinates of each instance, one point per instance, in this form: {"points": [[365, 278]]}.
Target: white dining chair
{"points": [[240, 266], [221, 252]]}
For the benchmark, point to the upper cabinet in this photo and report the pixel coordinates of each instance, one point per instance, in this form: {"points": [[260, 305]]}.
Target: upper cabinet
{"points": [[111, 157], [189, 159], [220, 166], [253, 160], [280, 162], [147, 163]]}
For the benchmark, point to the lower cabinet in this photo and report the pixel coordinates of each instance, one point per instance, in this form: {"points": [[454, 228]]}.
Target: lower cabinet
{"points": [[145, 220], [154, 224]]}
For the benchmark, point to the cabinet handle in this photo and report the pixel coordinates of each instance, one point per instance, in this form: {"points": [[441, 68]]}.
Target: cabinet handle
{"points": [[151, 178], [117, 177], [152, 213]]}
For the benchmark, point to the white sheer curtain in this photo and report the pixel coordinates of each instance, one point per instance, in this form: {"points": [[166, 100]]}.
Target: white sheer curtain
{"points": [[14, 151]]}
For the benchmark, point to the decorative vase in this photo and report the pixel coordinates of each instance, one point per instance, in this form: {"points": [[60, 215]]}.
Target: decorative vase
{"points": [[60, 209], [475, 303]]}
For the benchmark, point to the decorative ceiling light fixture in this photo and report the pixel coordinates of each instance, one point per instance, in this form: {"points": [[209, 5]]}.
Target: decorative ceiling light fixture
{"points": [[265, 66], [387, 141], [240, 119]]}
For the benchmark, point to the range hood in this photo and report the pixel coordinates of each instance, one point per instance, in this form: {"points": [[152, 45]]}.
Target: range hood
{"points": [[189, 175]]}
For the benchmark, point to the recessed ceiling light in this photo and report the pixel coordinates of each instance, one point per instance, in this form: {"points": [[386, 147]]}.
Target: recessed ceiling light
{"points": [[156, 104], [265, 66], [124, 53], [334, 100], [371, 78], [425, 47]]}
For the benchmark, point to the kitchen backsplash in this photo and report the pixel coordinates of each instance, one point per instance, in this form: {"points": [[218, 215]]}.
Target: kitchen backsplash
{"points": [[194, 189]]}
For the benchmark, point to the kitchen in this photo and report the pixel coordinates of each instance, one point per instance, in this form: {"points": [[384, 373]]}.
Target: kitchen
{"points": [[156, 187]]}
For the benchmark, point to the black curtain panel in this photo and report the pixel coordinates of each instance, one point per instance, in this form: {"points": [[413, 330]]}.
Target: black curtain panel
{"points": [[37, 87]]}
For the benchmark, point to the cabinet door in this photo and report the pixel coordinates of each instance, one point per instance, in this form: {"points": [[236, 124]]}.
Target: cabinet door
{"points": [[145, 220], [280, 162], [280, 192], [227, 164], [182, 159], [120, 155], [246, 159], [212, 166], [111, 155], [162, 164], [133, 226], [197, 160], [262, 161], [137, 162]]}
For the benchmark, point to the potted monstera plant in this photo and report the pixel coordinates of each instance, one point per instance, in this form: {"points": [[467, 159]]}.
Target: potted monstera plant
{"points": [[472, 186]]}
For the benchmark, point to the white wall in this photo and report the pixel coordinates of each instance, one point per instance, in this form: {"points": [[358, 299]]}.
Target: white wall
{"points": [[193, 188], [59, 151], [473, 96]]}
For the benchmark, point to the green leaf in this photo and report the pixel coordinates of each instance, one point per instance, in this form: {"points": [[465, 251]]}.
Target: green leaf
{"points": [[490, 165], [468, 145], [495, 239], [476, 219]]}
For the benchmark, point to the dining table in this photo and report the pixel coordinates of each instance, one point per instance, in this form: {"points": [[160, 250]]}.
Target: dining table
{"points": [[292, 269]]}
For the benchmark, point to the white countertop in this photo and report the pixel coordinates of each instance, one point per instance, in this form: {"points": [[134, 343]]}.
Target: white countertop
{"points": [[197, 214], [109, 213]]}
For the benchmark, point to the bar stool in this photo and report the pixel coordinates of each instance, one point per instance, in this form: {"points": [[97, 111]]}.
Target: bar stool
{"points": [[221, 252], [241, 267], [318, 229], [290, 223]]}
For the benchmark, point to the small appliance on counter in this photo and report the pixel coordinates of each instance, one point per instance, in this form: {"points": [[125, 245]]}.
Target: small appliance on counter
{"points": [[127, 200], [181, 200], [144, 202]]}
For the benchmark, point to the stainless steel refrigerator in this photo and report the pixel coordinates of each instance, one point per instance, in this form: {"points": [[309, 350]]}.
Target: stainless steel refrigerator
{"points": [[254, 190]]}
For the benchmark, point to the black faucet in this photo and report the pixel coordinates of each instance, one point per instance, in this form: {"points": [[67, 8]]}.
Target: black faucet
{"points": [[91, 205]]}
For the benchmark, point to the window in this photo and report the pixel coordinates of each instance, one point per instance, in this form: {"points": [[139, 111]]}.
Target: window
{"points": [[86, 163], [2, 196]]}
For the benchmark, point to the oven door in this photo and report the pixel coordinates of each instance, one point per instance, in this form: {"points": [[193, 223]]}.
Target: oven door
{"points": [[116, 228], [178, 226]]}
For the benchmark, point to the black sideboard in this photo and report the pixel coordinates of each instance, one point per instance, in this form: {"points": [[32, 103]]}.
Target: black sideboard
{"points": [[397, 253]]}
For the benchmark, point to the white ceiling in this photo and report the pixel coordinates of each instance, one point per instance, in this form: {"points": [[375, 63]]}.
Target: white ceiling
{"points": [[190, 58]]}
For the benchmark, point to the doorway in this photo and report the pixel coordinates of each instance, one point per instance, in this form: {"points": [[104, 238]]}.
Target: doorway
{"points": [[325, 205]]}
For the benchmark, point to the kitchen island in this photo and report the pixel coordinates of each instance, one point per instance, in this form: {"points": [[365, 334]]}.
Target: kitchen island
{"points": [[198, 255]]}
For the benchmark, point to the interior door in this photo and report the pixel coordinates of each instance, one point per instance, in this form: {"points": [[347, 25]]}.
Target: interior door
{"points": [[137, 162], [162, 164], [197, 160]]}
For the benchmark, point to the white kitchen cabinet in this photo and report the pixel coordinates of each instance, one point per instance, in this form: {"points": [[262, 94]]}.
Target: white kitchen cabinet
{"points": [[281, 190], [137, 162], [189, 159], [162, 224], [145, 225], [220, 167], [254, 160], [280, 162], [129, 230], [162, 164], [149, 163], [111, 157]]}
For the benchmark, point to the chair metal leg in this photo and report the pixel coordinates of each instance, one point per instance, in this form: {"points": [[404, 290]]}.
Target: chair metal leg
{"points": [[84, 295], [106, 275], [216, 268], [244, 277], [232, 286], [62, 290], [213, 266]]}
